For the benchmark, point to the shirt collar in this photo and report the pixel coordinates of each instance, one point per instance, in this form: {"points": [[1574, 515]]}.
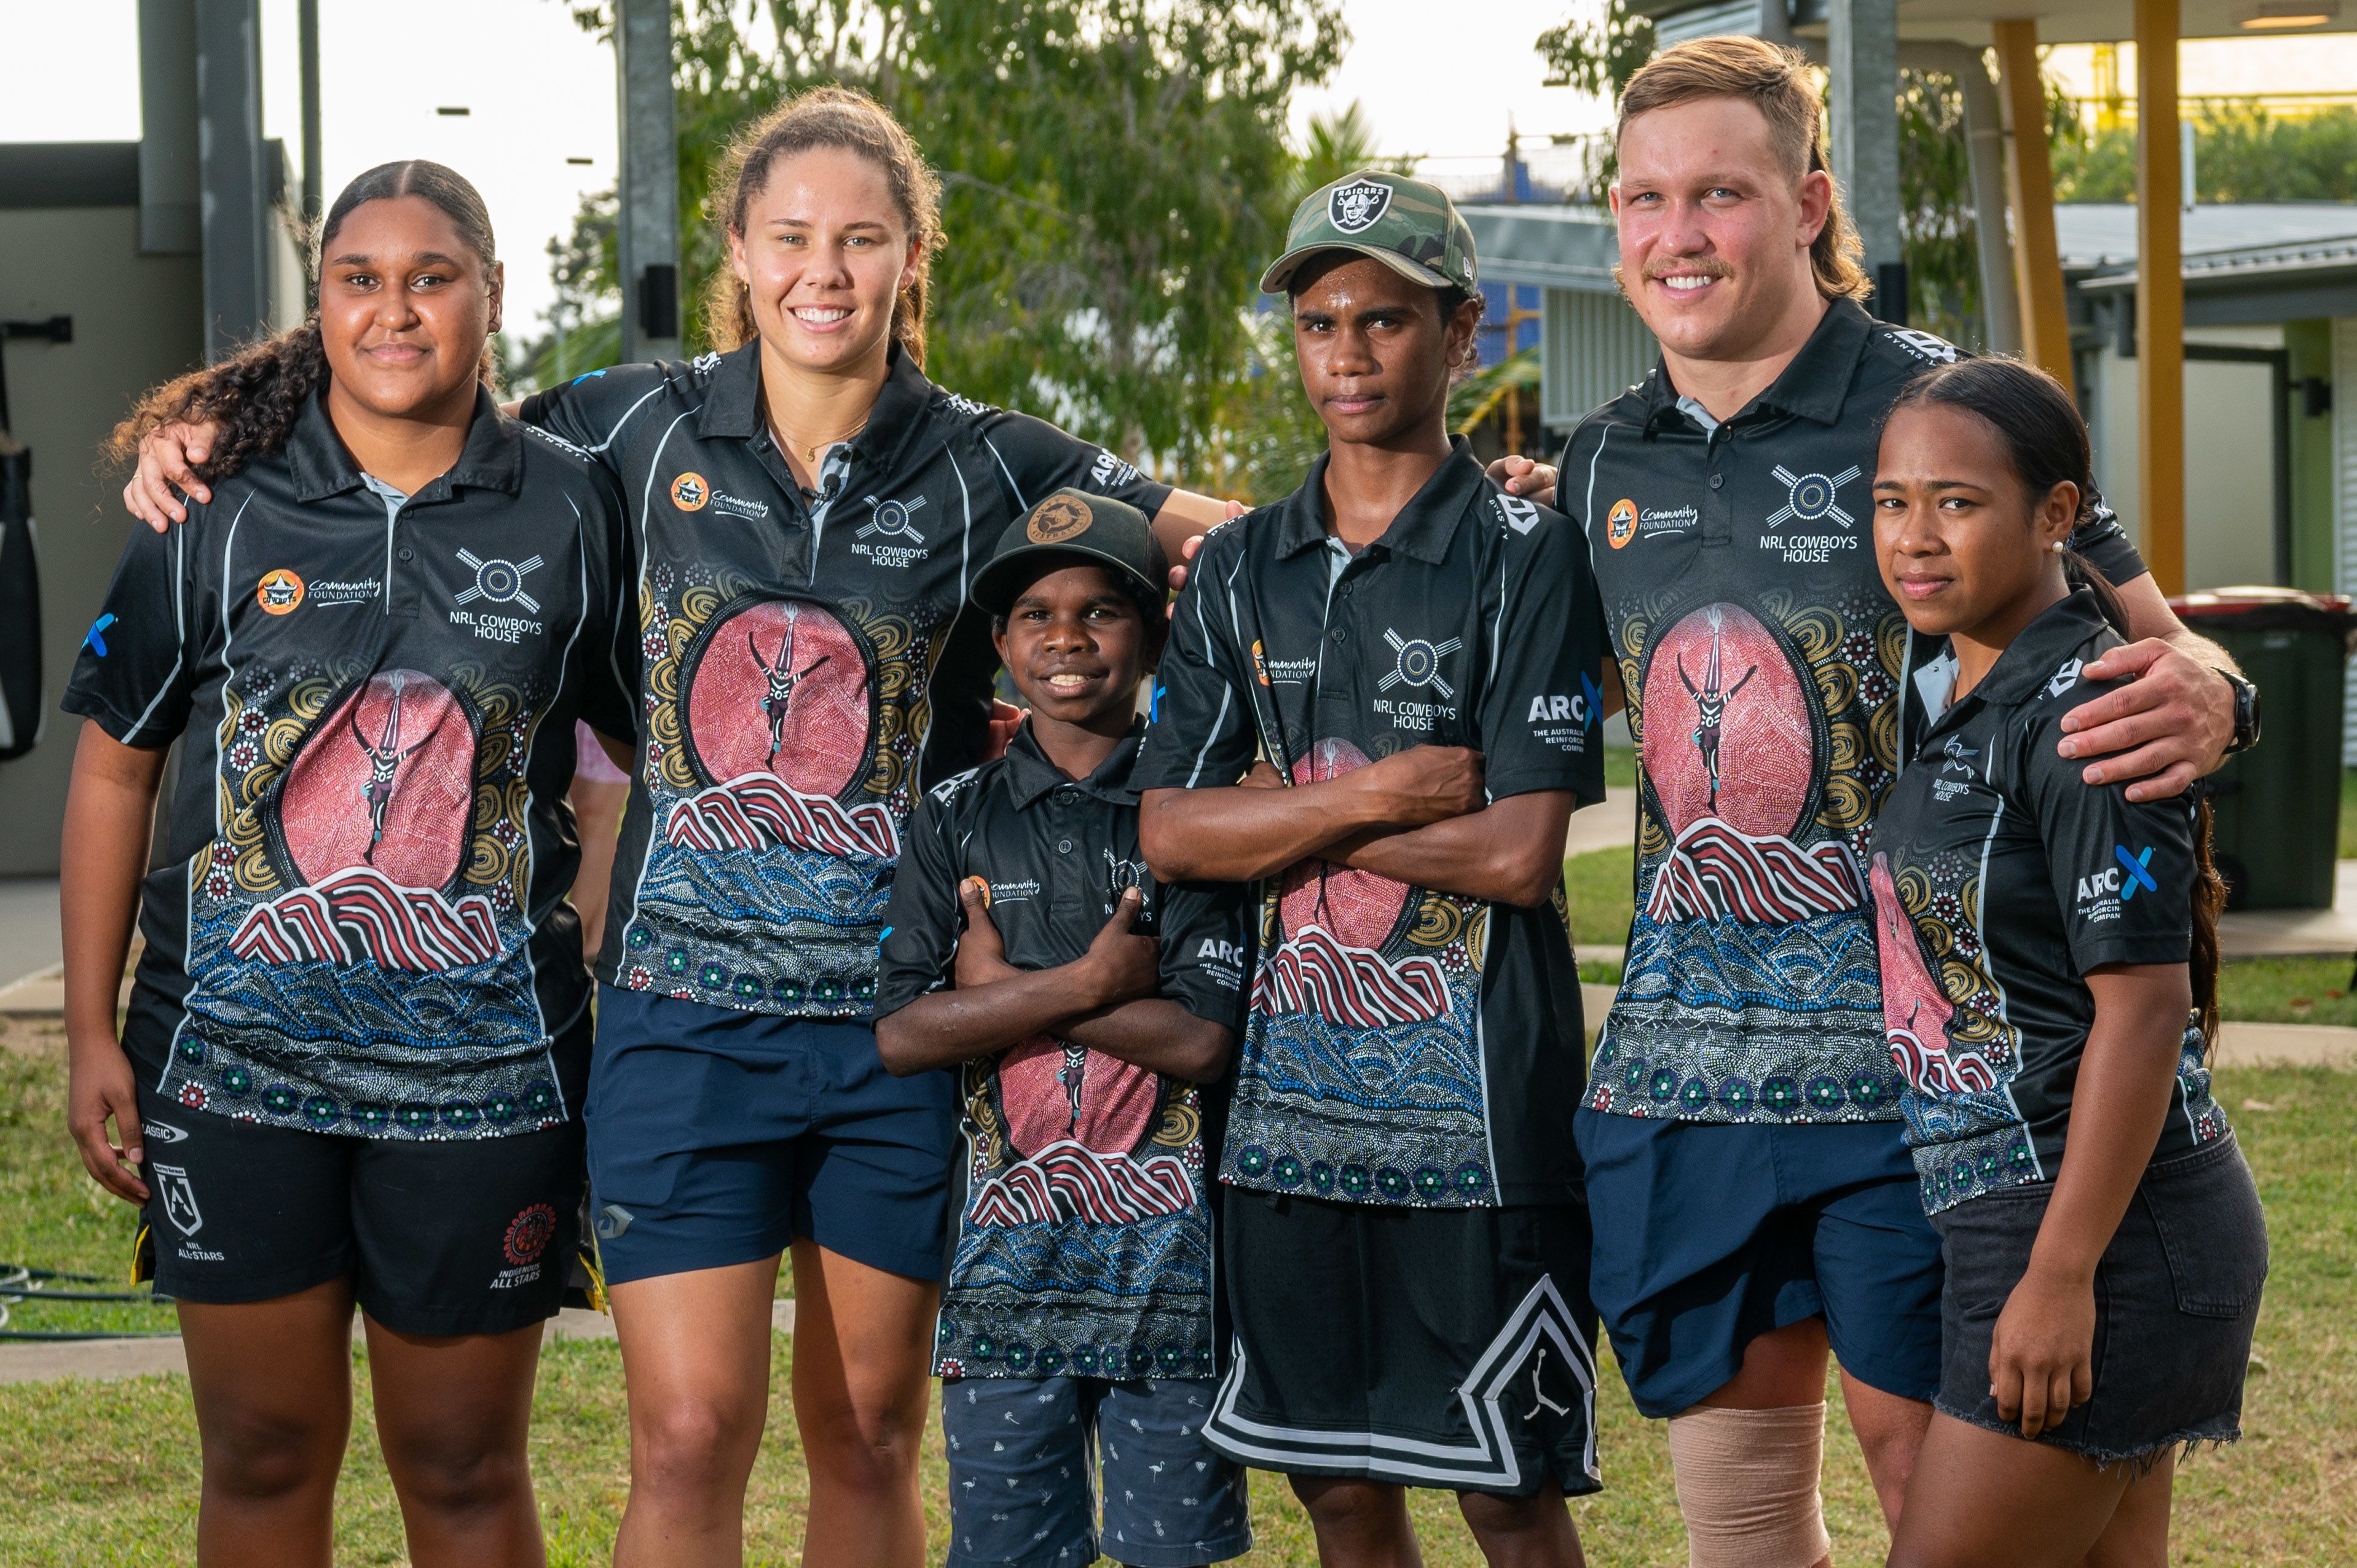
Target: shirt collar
{"points": [[2041, 648], [732, 403], [1813, 386], [1032, 775], [1422, 530], [321, 466]]}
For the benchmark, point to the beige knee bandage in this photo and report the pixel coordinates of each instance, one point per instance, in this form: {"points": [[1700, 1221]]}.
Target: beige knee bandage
{"points": [[1748, 1485]]}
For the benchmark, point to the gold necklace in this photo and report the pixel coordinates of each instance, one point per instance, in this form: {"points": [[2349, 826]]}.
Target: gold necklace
{"points": [[809, 453]]}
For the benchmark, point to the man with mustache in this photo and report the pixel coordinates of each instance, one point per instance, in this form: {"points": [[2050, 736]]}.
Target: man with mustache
{"points": [[1754, 1204]]}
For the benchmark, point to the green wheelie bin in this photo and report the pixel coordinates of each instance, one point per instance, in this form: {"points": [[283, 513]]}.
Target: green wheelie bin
{"points": [[2276, 808]]}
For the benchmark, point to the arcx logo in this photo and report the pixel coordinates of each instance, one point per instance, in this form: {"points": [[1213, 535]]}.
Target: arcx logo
{"points": [[1215, 951], [1548, 709]]}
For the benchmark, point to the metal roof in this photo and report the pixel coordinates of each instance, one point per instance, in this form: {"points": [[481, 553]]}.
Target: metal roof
{"points": [[1560, 247]]}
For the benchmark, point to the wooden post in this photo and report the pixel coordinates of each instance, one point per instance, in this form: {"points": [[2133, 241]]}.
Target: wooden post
{"points": [[2160, 299], [2029, 187]]}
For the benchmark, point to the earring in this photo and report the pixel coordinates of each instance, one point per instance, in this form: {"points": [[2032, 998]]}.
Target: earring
{"points": [[2057, 547]]}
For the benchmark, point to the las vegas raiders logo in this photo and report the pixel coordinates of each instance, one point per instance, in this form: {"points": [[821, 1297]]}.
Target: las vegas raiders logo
{"points": [[1355, 208]]}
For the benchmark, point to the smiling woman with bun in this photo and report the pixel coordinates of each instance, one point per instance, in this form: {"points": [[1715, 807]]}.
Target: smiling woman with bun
{"points": [[2050, 961]]}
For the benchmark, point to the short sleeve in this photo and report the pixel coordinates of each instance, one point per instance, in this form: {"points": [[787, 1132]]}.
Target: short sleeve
{"points": [[1201, 926], [1540, 722], [2106, 545], [922, 920], [590, 410], [135, 673], [1199, 731], [1032, 458], [610, 669], [2123, 872]]}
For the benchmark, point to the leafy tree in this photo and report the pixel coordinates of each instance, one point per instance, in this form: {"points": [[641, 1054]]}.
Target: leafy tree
{"points": [[1116, 172], [2241, 153]]}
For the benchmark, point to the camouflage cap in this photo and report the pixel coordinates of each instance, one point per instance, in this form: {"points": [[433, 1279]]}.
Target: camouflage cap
{"points": [[1409, 226]]}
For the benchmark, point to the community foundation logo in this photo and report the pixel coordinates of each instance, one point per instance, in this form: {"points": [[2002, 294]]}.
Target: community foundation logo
{"points": [[1620, 523], [278, 592], [689, 493]]}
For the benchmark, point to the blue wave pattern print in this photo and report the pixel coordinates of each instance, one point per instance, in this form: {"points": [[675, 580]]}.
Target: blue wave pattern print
{"points": [[1390, 1114], [744, 927], [1737, 1022], [1078, 1296], [341, 1047]]}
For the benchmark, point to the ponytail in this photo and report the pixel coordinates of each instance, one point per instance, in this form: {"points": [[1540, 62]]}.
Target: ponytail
{"points": [[254, 397], [2209, 888]]}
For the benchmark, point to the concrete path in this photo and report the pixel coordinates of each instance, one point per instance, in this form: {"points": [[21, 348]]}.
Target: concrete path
{"points": [[2275, 933], [1608, 826], [2284, 1045], [103, 1360], [29, 942]]}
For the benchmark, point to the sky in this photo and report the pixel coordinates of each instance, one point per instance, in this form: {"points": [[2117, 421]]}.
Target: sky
{"points": [[540, 91]]}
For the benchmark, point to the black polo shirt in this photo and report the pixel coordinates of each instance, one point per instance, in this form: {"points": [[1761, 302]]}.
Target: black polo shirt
{"points": [[1405, 1046], [2000, 879], [809, 661], [1085, 1239], [1769, 676], [359, 922]]}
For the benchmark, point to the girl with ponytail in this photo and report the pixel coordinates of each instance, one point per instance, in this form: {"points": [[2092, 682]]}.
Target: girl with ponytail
{"points": [[358, 1033], [2049, 963]]}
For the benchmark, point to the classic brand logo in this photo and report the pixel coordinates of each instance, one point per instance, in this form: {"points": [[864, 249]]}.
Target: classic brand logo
{"points": [[1418, 662], [1620, 523], [1810, 497], [689, 493], [1059, 518], [500, 582], [1353, 209], [1521, 515], [279, 591], [2066, 677]]}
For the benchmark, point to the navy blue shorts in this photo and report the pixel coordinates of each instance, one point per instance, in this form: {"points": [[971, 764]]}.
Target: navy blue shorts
{"points": [[718, 1136], [1028, 1457], [1708, 1236]]}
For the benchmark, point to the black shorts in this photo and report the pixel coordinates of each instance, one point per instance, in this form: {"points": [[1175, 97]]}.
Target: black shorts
{"points": [[1449, 1348], [2177, 1298], [462, 1236]]}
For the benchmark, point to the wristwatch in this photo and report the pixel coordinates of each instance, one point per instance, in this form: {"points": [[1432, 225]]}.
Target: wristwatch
{"points": [[2246, 714]]}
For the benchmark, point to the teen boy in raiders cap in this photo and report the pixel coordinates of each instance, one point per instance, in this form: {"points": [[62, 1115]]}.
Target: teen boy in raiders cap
{"points": [[1379, 703], [1091, 1013]]}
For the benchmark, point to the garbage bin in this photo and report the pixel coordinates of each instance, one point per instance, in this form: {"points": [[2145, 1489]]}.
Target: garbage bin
{"points": [[2277, 808]]}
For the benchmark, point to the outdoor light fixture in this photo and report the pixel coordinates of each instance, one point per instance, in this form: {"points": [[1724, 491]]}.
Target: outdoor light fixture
{"points": [[2284, 15]]}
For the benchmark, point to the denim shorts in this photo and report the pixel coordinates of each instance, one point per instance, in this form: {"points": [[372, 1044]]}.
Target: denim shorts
{"points": [[1028, 1458], [717, 1136], [2177, 1298]]}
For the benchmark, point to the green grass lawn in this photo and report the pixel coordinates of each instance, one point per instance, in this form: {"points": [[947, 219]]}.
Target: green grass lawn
{"points": [[2288, 991], [107, 1473], [2348, 811], [1602, 887]]}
